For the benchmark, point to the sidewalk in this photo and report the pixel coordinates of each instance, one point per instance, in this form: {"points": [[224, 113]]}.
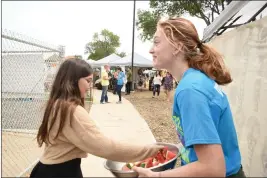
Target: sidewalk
{"points": [[120, 121]]}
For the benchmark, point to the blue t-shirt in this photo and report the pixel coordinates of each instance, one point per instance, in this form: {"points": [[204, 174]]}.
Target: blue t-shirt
{"points": [[202, 115], [120, 79]]}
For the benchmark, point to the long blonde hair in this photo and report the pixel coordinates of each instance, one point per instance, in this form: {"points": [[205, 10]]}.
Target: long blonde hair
{"points": [[198, 55]]}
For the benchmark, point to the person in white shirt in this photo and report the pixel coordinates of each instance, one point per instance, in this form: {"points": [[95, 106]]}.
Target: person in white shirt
{"points": [[157, 82]]}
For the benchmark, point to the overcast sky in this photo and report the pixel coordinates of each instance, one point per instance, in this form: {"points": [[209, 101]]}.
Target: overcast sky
{"points": [[72, 24]]}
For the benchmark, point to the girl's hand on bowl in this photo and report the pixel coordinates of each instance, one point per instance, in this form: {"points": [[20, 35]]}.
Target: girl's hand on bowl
{"points": [[145, 172]]}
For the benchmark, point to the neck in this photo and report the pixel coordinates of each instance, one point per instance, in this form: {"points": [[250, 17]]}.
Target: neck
{"points": [[178, 69]]}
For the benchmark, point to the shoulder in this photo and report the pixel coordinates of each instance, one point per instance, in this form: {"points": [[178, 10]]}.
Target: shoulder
{"points": [[80, 113], [197, 81]]}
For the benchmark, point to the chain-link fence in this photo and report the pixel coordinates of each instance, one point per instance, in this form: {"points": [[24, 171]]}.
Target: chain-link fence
{"points": [[28, 69]]}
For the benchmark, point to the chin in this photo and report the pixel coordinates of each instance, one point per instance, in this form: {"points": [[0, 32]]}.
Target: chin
{"points": [[156, 65]]}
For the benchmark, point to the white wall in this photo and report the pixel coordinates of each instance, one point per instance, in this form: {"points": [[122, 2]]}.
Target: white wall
{"points": [[245, 52]]}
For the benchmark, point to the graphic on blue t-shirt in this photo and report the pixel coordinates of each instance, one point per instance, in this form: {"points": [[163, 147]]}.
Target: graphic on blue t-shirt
{"points": [[202, 115]]}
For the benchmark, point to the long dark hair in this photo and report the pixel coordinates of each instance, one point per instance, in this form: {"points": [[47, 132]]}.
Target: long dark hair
{"points": [[64, 97]]}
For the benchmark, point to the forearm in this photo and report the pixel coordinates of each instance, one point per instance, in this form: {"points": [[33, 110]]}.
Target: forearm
{"points": [[87, 136], [121, 151], [125, 152], [100, 145], [195, 169]]}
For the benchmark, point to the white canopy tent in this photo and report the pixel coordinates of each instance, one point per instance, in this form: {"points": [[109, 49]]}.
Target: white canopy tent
{"points": [[106, 60], [139, 61], [90, 61]]}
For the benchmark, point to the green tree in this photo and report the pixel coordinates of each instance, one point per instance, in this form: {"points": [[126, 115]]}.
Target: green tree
{"points": [[203, 9], [102, 45], [121, 54]]}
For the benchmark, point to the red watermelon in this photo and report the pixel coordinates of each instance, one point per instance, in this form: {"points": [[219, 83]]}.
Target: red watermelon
{"points": [[170, 155], [160, 157], [125, 168]]}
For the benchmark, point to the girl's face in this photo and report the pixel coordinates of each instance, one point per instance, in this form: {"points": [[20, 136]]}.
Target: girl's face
{"points": [[84, 84], [162, 51]]}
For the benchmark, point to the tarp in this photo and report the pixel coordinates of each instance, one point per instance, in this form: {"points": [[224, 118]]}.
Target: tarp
{"points": [[138, 61], [106, 60], [90, 61]]}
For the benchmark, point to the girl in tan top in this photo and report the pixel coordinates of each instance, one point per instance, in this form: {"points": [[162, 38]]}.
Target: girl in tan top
{"points": [[68, 132]]}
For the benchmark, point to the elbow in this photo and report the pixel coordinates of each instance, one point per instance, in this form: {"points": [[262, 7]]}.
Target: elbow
{"points": [[219, 172], [217, 169]]}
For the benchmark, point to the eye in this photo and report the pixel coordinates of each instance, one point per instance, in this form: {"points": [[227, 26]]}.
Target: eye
{"points": [[156, 42]]}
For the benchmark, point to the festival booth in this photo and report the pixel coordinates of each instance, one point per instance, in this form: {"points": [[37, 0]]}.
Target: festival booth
{"points": [[106, 60], [114, 60], [139, 63]]}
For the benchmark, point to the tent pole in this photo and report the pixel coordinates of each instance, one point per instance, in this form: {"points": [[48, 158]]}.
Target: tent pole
{"points": [[132, 87]]}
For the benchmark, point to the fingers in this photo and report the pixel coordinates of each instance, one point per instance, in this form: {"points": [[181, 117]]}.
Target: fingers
{"points": [[140, 171]]}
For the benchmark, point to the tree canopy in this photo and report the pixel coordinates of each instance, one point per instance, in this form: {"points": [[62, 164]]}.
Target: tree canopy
{"points": [[103, 44], [203, 9]]}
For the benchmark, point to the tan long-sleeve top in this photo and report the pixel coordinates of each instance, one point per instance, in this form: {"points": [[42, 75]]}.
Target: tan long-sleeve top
{"points": [[83, 136]]}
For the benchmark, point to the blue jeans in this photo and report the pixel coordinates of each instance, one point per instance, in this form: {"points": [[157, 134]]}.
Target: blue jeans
{"points": [[119, 87], [104, 95]]}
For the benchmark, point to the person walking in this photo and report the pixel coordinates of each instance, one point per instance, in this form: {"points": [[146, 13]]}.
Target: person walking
{"points": [[120, 82], [168, 85], [105, 83], [115, 76], [156, 84]]}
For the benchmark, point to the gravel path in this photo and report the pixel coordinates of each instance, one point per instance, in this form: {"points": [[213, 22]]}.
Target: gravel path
{"points": [[158, 114]]}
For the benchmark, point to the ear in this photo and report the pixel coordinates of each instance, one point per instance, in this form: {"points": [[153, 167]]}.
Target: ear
{"points": [[180, 46], [178, 49]]}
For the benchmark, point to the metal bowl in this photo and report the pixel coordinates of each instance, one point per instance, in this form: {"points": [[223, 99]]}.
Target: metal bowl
{"points": [[116, 167]]}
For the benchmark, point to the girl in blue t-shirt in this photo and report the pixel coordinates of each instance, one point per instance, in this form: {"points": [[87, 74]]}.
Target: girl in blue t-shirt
{"points": [[201, 111]]}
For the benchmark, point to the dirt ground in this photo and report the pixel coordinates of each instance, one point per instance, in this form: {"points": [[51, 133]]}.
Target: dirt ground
{"points": [[158, 114]]}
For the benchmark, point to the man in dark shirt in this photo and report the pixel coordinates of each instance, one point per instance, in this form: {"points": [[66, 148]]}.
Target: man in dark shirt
{"points": [[129, 81]]}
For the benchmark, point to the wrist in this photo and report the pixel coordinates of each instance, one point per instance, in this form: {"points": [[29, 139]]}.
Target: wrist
{"points": [[158, 174]]}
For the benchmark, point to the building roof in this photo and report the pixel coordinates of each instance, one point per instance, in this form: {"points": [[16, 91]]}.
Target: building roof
{"points": [[237, 13]]}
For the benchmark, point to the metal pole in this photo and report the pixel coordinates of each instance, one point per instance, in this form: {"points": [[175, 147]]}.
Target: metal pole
{"points": [[132, 87]]}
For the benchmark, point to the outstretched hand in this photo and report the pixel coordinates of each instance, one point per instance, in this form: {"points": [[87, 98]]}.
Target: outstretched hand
{"points": [[145, 172]]}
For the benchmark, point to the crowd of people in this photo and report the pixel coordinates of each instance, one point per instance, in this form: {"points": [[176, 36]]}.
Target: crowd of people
{"points": [[167, 82], [115, 81]]}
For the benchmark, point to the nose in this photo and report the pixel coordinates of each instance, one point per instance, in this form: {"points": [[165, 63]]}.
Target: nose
{"points": [[151, 51]]}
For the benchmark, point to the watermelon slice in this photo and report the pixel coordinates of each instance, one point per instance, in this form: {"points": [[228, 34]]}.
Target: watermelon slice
{"points": [[125, 168], [155, 162], [164, 151], [160, 157], [143, 165], [130, 165], [149, 163], [170, 155], [138, 163]]}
